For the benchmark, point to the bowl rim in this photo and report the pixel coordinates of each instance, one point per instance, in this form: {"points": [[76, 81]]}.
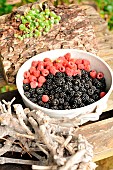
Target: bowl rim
{"points": [[66, 111]]}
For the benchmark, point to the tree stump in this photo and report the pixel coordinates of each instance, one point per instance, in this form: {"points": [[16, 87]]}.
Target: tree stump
{"points": [[73, 31]]}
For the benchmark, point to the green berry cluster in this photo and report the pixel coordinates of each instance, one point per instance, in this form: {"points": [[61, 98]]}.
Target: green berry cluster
{"points": [[36, 23]]}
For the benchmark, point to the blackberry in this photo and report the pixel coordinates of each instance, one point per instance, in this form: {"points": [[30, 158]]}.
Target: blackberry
{"points": [[82, 89], [89, 83], [60, 107], [61, 100], [59, 74], [67, 107], [84, 72], [40, 103], [51, 97], [33, 99], [68, 78], [39, 97], [79, 100], [48, 81], [72, 99], [54, 107], [97, 83], [34, 95], [85, 98], [46, 105], [52, 92], [50, 76], [69, 83], [49, 87], [95, 97], [54, 86], [55, 102], [67, 98], [76, 82], [81, 105], [86, 85], [97, 91], [56, 95], [26, 87], [58, 89], [65, 87], [46, 92], [87, 78], [93, 88], [74, 106], [59, 81], [62, 94], [71, 93], [75, 88], [78, 94], [90, 92], [32, 90], [78, 76], [91, 100], [40, 90], [27, 94], [83, 81]]}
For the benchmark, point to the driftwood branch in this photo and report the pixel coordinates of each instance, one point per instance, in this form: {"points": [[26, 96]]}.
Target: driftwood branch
{"points": [[60, 147]]}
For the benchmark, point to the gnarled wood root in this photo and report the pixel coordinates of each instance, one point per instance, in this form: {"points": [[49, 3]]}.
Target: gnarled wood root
{"points": [[33, 132]]}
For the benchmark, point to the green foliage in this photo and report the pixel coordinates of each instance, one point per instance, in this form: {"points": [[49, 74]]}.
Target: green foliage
{"points": [[106, 11], [4, 8]]}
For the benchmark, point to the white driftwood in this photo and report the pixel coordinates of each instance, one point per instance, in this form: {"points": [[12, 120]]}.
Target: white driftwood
{"points": [[32, 132]]}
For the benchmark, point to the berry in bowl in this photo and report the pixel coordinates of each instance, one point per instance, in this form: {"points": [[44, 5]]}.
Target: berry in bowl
{"points": [[64, 82]]}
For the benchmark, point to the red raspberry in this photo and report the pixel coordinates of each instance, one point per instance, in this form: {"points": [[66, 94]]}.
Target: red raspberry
{"points": [[41, 79], [80, 66], [102, 94], [32, 78], [26, 74], [93, 74], [25, 81], [34, 84], [72, 60], [69, 71], [36, 73], [40, 65], [57, 65], [34, 63], [62, 69], [53, 70], [44, 72], [40, 84], [85, 62], [78, 61], [67, 56], [100, 75], [75, 72], [65, 63], [45, 98], [47, 60], [60, 60], [32, 69], [48, 63], [71, 64], [87, 67]]}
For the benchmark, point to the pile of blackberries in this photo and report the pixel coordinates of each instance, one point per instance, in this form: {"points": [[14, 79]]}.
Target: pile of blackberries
{"points": [[67, 92]]}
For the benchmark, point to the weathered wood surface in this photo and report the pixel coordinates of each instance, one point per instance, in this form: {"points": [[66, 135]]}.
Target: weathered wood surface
{"points": [[104, 39], [74, 31], [100, 135]]}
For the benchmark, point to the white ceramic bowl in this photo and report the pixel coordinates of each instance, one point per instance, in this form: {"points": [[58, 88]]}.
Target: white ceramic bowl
{"points": [[96, 63]]}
